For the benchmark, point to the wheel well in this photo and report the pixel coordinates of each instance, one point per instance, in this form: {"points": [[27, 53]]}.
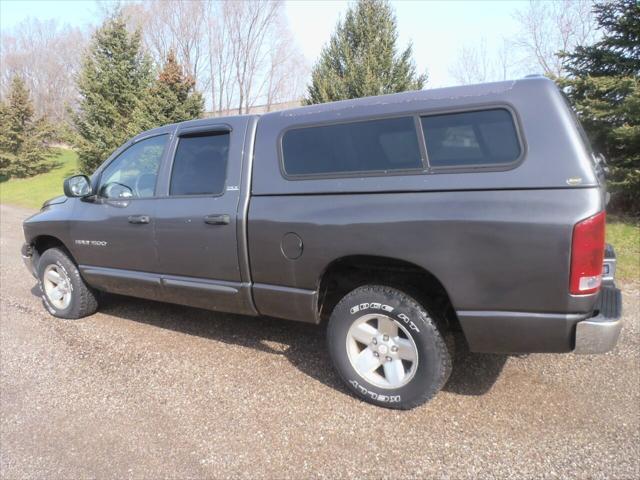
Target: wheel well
{"points": [[43, 243], [348, 273]]}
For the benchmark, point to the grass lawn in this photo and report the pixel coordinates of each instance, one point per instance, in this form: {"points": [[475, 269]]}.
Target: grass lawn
{"points": [[623, 233], [32, 192]]}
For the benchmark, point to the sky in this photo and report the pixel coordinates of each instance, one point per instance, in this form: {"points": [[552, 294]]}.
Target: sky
{"points": [[438, 29]]}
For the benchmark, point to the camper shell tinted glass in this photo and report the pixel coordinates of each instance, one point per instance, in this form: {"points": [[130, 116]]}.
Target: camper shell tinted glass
{"points": [[381, 145], [471, 139], [467, 139]]}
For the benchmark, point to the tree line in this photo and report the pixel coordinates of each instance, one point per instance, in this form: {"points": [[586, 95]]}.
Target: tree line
{"points": [[152, 63], [147, 65], [239, 54], [119, 95], [100, 89]]}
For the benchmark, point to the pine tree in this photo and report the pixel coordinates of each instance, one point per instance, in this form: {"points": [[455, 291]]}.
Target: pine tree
{"points": [[114, 85], [604, 89], [618, 51], [24, 149], [362, 59], [172, 98]]}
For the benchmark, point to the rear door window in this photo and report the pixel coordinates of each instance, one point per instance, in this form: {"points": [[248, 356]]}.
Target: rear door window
{"points": [[200, 164], [471, 139], [383, 145]]}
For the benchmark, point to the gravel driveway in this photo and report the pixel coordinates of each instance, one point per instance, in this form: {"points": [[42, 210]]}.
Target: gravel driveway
{"points": [[147, 390]]}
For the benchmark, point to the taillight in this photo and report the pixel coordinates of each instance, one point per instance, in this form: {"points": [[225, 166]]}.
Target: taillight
{"points": [[587, 254]]}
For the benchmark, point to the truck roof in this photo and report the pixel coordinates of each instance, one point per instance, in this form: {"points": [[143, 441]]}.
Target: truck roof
{"points": [[456, 92]]}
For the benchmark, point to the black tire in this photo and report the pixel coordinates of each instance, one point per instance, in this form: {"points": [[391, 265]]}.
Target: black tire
{"points": [[433, 357], [84, 299]]}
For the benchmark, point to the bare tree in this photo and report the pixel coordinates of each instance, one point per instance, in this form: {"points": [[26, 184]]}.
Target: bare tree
{"points": [[546, 29], [248, 25], [552, 27], [505, 63], [477, 63], [178, 25], [47, 56], [287, 68], [221, 77], [472, 64], [239, 52], [266, 64]]}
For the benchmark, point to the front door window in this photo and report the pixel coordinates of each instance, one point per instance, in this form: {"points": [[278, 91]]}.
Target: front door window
{"points": [[134, 172]]}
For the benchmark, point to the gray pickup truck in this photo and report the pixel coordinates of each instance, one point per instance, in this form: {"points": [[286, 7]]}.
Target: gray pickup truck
{"points": [[397, 219]]}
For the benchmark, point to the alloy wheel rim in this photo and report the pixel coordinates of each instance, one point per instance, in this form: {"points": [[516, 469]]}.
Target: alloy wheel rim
{"points": [[57, 286], [382, 351]]}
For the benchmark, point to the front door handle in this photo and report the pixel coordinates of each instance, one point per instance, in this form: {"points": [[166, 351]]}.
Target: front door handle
{"points": [[217, 219], [139, 219]]}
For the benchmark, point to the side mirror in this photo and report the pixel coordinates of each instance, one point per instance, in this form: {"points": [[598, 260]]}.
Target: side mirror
{"points": [[77, 186], [115, 190]]}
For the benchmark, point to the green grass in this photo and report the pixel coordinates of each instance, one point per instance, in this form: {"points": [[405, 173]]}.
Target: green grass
{"points": [[32, 192], [624, 235]]}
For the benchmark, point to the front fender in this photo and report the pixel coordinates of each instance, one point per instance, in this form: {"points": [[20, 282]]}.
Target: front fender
{"points": [[52, 221]]}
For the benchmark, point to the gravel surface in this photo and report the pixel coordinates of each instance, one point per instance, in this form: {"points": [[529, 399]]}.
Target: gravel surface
{"points": [[147, 390]]}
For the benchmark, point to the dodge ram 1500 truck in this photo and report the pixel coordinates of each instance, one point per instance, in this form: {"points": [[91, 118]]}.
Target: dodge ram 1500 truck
{"points": [[396, 218]]}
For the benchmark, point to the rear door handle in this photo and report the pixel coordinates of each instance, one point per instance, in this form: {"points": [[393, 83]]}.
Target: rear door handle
{"points": [[217, 219], [139, 219]]}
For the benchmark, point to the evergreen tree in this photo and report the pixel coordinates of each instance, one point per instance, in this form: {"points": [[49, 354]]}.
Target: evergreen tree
{"points": [[618, 51], [172, 98], [604, 89], [114, 85], [362, 59], [24, 149]]}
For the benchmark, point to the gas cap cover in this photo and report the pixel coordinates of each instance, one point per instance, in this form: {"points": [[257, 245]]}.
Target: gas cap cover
{"points": [[291, 246]]}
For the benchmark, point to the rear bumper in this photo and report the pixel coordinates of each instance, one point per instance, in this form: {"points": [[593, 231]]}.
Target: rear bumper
{"points": [[529, 332], [600, 333]]}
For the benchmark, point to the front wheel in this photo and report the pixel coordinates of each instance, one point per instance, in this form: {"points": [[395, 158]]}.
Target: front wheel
{"points": [[64, 293], [387, 347]]}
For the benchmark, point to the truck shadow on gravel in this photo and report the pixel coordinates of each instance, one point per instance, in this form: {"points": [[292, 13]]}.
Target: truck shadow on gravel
{"points": [[473, 373], [303, 345]]}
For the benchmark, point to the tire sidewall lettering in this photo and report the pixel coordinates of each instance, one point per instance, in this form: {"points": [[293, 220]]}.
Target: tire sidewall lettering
{"points": [[363, 308], [373, 395], [360, 308]]}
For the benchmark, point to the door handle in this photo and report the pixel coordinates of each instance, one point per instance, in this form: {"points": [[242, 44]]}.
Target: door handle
{"points": [[139, 219], [217, 219]]}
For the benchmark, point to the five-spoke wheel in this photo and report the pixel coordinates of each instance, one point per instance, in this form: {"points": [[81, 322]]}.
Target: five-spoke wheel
{"points": [[382, 351], [64, 292], [388, 347], [57, 286]]}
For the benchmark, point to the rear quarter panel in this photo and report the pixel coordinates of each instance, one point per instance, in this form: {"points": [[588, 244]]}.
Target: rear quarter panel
{"points": [[492, 250]]}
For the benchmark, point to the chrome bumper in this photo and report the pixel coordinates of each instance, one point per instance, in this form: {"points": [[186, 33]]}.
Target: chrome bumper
{"points": [[599, 334]]}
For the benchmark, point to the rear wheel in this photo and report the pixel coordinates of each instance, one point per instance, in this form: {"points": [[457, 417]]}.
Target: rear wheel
{"points": [[387, 347], [64, 293]]}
